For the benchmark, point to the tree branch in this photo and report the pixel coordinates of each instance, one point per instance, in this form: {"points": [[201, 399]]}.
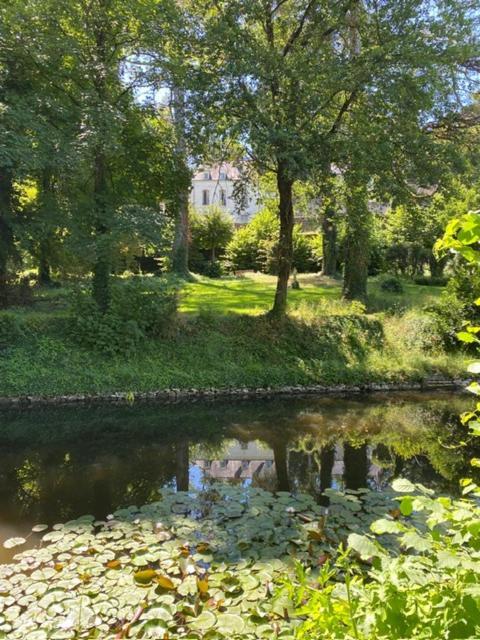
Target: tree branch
{"points": [[298, 31], [343, 110]]}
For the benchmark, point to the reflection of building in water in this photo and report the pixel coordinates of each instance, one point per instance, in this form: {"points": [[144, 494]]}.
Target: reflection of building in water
{"points": [[340, 466], [240, 461]]}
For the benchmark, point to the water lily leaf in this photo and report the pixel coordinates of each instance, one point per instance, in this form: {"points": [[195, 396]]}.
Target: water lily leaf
{"points": [[38, 634], [206, 620], [13, 542], [165, 582], [154, 628], [202, 585], [38, 528], [229, 623], [145, 577]]}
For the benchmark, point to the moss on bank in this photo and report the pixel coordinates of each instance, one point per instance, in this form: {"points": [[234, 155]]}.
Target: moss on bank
{"points": [[38, 358]]}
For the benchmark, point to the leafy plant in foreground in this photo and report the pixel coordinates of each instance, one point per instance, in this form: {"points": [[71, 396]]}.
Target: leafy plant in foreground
{"points": [[417, 574]]}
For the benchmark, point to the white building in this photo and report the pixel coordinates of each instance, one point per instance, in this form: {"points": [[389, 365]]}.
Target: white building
{"points": [[214, 185]]}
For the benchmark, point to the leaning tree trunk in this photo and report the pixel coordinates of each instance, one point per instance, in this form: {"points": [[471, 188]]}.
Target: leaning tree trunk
{"points": [[357, 241], [6, 233], [329, 243], [181, 237], [285, 244]]}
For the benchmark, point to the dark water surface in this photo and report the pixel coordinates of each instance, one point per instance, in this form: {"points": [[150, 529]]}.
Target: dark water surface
{"points": [[58, 464]]}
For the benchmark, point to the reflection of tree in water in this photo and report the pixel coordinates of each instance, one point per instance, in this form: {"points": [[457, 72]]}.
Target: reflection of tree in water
{"points": [[102, 458], [58, 485], [356, 466]]}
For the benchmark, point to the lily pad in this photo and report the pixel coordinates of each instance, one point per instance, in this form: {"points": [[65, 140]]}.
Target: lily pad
{"points": [[14, 542], [206, 620]]}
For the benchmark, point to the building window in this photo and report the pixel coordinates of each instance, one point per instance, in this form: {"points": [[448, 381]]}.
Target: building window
{"points": [[206, 175], [205, 197], [223, 197], [223, 175]]}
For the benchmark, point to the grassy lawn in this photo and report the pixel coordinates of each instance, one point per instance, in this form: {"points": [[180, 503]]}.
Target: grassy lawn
{"points": [[233, 344], [253, 294]]}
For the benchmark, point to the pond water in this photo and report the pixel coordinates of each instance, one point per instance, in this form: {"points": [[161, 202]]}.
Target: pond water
{"points": [[58, 464]]}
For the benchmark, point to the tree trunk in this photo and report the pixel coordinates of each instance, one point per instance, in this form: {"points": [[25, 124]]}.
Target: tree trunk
{"points": [[329, 243], [6, 233], [47, 204], [181, 238], [357, 242], [44, 275], [102, 266], [285, 244], [436, 266]]}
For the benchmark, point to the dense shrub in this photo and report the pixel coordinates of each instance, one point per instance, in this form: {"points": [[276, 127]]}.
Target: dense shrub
{"points": [[209, 235], [415, 331], [139, 309], [255, 247], [407, 258], [16, 293], [11, 329], [457, 304], [391, 285]]}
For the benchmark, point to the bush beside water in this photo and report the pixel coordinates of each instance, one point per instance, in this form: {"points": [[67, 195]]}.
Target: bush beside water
{"points": [[138, 310]]}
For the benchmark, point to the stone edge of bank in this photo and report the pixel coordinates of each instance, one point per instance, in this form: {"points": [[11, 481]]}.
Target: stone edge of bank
{"points": [[172, 396]]}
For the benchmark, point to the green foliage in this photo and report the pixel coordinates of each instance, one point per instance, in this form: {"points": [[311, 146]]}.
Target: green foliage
{"points": [[210, 233], [416, 574], [419, 331], [431, 281], [11, 330], [459, 302], [255, 246], [139, 309], [392, 285], [392, 595]]}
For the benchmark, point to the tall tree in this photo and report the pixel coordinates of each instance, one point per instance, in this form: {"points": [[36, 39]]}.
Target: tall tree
{"points": [[181, 238], [278, 87], [387, 146], [15, 144], [97, 46], [286, 75]]}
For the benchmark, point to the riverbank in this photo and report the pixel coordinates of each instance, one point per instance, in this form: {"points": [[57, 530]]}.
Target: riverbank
{"points": [[230, 355]]}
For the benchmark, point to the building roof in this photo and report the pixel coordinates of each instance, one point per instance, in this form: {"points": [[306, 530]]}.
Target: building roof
{"points": [[231, 172]]}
